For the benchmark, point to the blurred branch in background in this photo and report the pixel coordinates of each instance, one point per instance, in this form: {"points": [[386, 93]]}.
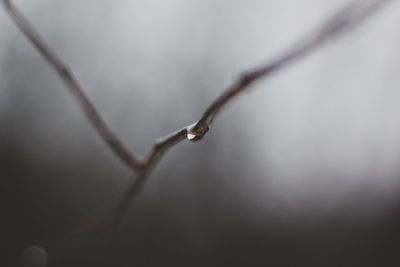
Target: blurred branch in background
{"points": [[103, 219]]}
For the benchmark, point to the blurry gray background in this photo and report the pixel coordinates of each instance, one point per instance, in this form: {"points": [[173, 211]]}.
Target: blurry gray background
{"points": [[301, 171]]}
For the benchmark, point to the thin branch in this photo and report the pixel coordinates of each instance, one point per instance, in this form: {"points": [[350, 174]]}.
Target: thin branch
{"points": [[105, 218], [343, 21], [346, 19], [74, 87], [159, 150]]}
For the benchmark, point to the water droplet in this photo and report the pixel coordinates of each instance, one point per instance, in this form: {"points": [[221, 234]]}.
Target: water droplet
{"points": [[196, 132], [191, 136]]}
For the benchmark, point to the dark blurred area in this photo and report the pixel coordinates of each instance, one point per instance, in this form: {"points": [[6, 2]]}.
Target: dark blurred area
{"points": [[302, 171]]}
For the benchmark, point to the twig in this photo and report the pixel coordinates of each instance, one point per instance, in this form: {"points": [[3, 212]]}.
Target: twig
{"points": [[343, 21], [159, 150], [74, 87], [104, 219]]}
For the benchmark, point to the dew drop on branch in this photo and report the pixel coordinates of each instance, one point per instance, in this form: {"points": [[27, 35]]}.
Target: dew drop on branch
{"points": [[191, 136], [195, 134]]}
